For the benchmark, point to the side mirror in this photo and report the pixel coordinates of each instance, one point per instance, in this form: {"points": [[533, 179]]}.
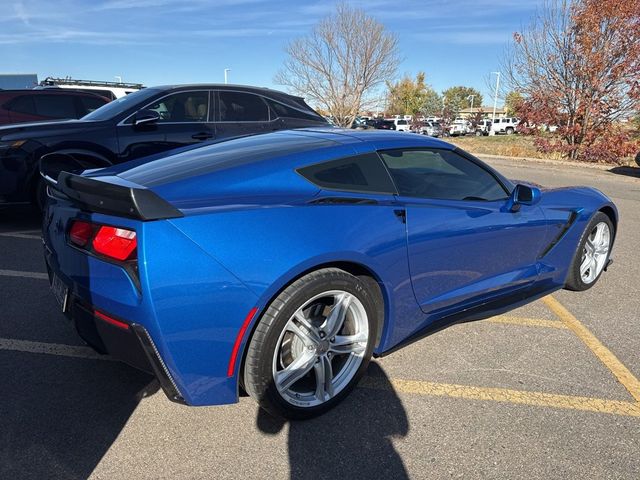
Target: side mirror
{"points": [[146, 117], [523, 195]]}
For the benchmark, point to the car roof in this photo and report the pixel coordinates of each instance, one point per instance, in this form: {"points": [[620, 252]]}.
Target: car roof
{"points": [[226, 86]]}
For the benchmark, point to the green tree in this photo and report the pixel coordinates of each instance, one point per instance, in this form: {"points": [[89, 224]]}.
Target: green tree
{"points": [[432, 105], [411, 97], [513, 102], [458, 98]]}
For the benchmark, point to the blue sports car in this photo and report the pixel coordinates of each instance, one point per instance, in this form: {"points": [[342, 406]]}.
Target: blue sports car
{"points": [[280, 263]]}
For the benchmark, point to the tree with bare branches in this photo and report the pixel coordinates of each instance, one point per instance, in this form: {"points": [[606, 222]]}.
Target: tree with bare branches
{"points": [[578, 67], [341, 62]]}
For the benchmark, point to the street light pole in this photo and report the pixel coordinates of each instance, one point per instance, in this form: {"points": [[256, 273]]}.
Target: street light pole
{"points": [[495, 96], [226, 73], [471, 97]]}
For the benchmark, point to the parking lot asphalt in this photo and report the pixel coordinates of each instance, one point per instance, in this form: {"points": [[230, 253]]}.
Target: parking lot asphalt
{"points": [[549, 390]]}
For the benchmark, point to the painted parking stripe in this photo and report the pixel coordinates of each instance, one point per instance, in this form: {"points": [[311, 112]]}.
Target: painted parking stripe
{"points": [[528, 322], [622, 373], [504, 395], [19, 273], [51, 349], [28, 235]]}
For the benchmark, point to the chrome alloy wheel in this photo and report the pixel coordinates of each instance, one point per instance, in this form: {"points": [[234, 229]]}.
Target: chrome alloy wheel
{"points": [[321, 348], [595, 252]]}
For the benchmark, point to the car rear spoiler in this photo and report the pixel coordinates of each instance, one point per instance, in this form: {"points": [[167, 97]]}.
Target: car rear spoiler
{"points": [[111, 199]]}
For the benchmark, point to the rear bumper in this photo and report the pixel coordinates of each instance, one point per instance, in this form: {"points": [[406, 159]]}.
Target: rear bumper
{"points": [[127, 342]]}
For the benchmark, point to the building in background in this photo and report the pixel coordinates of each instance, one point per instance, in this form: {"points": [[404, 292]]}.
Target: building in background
{"points": [[11, 81]]}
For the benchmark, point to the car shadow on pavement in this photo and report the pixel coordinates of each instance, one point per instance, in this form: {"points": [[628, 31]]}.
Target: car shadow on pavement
{"points": [[354, 440], [60, 415], [627, 171], [20, 218]]}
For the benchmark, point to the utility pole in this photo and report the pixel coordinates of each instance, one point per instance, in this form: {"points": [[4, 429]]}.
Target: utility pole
{"points": [[495, 96], [226, 75], [471, 97]]}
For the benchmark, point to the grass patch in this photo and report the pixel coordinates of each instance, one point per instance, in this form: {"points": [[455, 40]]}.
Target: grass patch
{"points": [[505, 145], [511, 146]]}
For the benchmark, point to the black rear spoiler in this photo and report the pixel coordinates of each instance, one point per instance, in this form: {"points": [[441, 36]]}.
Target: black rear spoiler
{"points": [[108, 198]]}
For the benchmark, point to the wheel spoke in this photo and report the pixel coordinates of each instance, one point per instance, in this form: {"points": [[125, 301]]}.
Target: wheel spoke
{"points": [[592, 269], [324, 378], [597, 238], [336, 317], [296, 370], [349, 343], [304, 331], [585, 265]]}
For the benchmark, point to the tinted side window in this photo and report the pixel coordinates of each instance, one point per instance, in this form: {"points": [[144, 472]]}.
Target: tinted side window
{"points": [[23, 104], [90, 104], [360, 173], [242, 107], [184, 107], [281, 110], [55, 106], [441, 174]]}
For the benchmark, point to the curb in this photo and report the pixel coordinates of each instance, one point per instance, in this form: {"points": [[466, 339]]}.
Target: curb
{"points": [[562, 163]]}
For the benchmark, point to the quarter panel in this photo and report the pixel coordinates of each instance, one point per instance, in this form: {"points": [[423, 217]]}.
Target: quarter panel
{"points": [[269, 247]]}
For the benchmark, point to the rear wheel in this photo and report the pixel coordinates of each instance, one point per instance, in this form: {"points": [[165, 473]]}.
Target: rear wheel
{"points": [[312, 345], [592, 254], [510, 131]]}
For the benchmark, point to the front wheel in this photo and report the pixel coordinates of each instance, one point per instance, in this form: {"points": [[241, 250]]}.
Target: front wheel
{"points": [[592, 255], [312, 345]]}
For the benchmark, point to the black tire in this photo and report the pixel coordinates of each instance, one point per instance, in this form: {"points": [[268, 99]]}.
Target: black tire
{"points": [[574, 279], [478, 133], [510, 131], [258, 371]]}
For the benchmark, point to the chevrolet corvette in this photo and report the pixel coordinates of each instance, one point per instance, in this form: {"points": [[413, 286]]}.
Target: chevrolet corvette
{"points": [[279, 264]]}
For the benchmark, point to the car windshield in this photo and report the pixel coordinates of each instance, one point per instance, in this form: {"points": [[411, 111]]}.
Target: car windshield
{"points": [[120, 105]]}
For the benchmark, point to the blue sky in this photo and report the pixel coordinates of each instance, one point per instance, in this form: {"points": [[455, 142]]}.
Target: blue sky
{"points": [[181, 41]]}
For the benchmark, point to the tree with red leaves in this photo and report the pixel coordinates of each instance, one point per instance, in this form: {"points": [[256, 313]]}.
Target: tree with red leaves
{"points": [[577, 67]]}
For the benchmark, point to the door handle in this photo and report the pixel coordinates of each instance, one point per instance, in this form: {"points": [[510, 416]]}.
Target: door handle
{"points": [[202, 136]]}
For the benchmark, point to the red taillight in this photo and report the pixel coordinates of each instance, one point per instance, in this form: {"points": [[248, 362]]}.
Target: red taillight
{"points": [[111, 320], [118, 243], [80, 232]]}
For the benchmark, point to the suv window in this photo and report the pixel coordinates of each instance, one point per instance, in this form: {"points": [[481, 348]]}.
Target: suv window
{"points": [[90, 104], [359, 173], [55, 106], [281, 110], [183, 107], [23, 104], [441, 174], [242, 107]]}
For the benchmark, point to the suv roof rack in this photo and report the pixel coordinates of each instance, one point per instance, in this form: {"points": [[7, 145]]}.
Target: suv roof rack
{"points": [[52, 81]]}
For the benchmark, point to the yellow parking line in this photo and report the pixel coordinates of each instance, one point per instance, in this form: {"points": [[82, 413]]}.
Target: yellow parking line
{"points": [[529, 322], [538, 399], [625, 377]]}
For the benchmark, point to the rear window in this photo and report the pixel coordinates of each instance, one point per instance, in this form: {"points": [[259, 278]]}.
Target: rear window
{"points": [[281, 110], [220, 156], [23, 104], [55, 106], [91, 103], [359, 173]]}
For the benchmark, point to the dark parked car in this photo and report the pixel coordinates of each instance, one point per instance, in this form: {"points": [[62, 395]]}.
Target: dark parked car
{"points": [[382, 124], [143, 123], [18, 106]]}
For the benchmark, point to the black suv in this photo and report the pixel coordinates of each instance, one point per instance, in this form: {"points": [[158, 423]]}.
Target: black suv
{"points": [[143, 123]]}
